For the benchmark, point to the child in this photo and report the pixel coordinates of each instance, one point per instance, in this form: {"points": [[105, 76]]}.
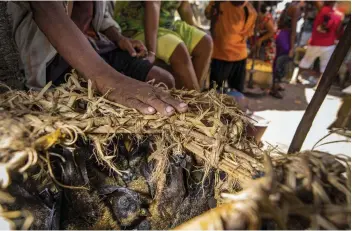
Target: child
{"points": [[55, 37], [232, 22], [285, 43], [178, 43]]}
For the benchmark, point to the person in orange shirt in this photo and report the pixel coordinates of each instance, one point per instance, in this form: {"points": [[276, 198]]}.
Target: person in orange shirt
{"points": [[232, 22]]}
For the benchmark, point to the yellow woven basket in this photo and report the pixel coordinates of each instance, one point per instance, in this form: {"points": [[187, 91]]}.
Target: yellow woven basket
{"points": [[262, 72]]}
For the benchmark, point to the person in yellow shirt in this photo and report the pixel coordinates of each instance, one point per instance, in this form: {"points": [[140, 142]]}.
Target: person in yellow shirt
{"points": [[232, 22], [180, 43]]}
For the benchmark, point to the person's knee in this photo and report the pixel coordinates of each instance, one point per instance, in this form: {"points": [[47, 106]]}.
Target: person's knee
{"points": [[204, 47], [208, 44], [160, 75], [180, 56], [167, 78]]}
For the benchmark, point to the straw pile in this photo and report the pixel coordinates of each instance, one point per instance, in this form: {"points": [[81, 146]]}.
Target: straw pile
{"points": [[308, 190], [71, 159], [61, 141]]}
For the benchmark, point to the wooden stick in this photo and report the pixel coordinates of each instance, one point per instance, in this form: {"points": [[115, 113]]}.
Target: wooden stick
{"points": [[323, 88]]}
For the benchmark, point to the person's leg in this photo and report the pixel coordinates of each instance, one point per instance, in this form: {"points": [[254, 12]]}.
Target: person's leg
{"points": [[311, 54], [236, 80], [200, 47], [237, 76], [282, 44], [160, 75], [172, 50], [326, 53], [297, 74], [219, 72], [281, 63], [201, 56], [277, 86], [241, 69], [214, 70], [183, 70], [278, 74], [274, 72]]}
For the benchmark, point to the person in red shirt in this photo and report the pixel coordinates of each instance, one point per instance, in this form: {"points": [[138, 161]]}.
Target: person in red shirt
{"points": [[326, 30]]}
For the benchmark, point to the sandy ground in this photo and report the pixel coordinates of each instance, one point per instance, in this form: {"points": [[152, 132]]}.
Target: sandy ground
{"points": [[284, 116]]}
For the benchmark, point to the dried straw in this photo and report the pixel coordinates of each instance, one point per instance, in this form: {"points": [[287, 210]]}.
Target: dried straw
{"points": [[312, 185], [308, 190], [32, 122]]}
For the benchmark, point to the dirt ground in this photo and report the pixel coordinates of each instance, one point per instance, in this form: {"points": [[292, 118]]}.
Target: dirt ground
{"points": [[285, 114]]}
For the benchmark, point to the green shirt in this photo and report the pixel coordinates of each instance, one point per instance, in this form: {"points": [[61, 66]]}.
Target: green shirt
{"points": [[130, 16]]}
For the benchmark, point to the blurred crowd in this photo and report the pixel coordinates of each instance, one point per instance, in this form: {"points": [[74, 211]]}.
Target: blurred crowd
{"points": [[194, 45]]}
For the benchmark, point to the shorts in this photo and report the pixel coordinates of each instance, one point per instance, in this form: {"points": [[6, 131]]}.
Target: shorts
{"points": [[120, 60], [234, 72], [313, 52], [168, 40]]}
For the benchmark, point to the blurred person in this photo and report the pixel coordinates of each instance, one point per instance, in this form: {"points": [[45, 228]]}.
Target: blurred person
{"points": [[178, 43], [310, 12], [55, 37], [232, 22], [326, 31], [285, 44], [264, 39]]}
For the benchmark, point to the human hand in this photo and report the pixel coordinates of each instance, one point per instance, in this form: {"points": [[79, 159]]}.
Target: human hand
{"points": [[135, 47], [291, 53], [322, 29], [139, 95], [150, 57], [258, 43]]}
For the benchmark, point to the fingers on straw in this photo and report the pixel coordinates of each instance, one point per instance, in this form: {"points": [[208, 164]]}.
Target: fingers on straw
{"points": [[140, 106], [162, 107], [177, 104]]}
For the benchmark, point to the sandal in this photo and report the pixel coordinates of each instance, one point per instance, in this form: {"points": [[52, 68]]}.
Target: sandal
{"points": [[276, 94], [281, 87]]}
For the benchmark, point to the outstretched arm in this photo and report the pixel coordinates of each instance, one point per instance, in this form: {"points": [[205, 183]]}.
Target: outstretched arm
{"points": [[68, 40], [73, 46]]}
